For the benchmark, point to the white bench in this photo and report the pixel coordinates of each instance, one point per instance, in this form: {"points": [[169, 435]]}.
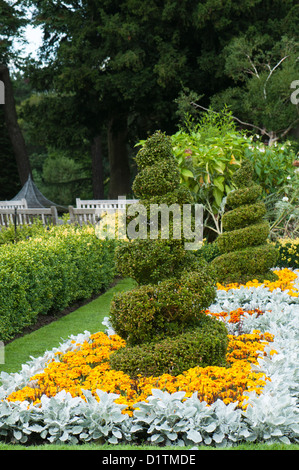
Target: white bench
{"points": [[107, 205], [21, 204]]}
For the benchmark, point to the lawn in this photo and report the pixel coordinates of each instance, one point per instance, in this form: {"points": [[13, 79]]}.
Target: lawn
{"points": [[88, 317]]}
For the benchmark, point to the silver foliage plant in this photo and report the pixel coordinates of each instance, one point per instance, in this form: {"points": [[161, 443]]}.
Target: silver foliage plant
{"points": [[167, 419]]}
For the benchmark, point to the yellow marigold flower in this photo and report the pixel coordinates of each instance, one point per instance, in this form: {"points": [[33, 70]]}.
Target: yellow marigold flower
{"points": [[88, 368]]}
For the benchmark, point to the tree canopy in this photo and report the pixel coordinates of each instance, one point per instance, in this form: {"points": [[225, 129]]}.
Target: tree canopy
{"points": [[110, 72]]}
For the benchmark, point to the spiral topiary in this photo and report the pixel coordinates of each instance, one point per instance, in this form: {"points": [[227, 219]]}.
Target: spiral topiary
{"points": [[165, 310], [157, 182], [245, 254]]}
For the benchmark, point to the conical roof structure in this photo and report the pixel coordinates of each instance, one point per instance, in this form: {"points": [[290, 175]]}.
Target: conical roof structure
{"points": [[34, 197]]}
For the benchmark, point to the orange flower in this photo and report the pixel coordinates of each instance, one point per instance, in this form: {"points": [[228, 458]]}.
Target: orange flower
{"points": [[87, 368]]}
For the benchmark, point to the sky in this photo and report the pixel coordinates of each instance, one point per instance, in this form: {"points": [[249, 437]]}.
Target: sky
{"points": [[34, 38]]}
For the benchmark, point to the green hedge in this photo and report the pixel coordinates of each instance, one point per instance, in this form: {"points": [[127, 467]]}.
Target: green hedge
{"points": [[49, 272]]}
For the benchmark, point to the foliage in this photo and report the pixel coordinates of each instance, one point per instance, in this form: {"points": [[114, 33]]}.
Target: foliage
{"points": [[273, 166], [283, 210], [208, 153], [245, 252], [24, 232], [152, 311], [178, 285], [64, 178], [208, 251], [210, 149], [49, 272], [262, 71], [149, 262], [12, 19], [203, 344], [121, 84], [138, 259]]}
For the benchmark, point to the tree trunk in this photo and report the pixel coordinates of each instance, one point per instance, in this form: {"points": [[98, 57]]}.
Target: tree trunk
{"points": [[97, 168], [118, 157], [13, 128]]}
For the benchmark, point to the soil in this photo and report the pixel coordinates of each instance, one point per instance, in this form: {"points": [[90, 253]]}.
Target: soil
{"points": [[43, 319]]}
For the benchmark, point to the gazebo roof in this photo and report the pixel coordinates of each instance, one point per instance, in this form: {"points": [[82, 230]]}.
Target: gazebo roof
{"points": [[34, 197]]}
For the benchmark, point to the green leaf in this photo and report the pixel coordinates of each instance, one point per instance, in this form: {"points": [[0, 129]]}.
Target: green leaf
{"points": [[218, 196], [218, 182], [187, 173]]}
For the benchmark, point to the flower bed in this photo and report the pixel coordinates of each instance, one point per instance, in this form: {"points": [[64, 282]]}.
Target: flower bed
{"points": [[71, 395]]}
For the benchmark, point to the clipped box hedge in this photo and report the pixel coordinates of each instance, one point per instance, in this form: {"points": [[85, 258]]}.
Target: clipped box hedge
{"points": [[49, 272]]}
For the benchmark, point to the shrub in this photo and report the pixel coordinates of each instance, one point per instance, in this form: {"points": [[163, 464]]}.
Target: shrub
{"points": [[48, 273], [174, 284], [210, 150], [158, 179], [273, 166], [23, 232], [244, 196], [243, 216], [248, 236], [150, 262], [203, 345], [208, 251], [251, 263], [150, 311], [245, 253], [147, 261]]}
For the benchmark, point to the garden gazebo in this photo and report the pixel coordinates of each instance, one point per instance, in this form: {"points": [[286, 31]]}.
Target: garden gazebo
{"points": [[34, 197]]}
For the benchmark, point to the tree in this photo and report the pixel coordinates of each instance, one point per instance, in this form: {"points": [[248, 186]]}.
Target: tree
{"points": [[128, 59], [10, 22], [55, 126], [238, 40], [13, 128], [262, 74]]}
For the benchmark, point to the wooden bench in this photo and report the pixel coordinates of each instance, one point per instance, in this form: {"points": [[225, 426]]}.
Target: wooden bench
{"points": [[27, 216], [21, 204], [84, 215]]}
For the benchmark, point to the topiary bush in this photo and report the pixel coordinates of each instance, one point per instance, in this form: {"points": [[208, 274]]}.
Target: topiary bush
{"points": [[202, 345], [244, 251], [149, 311], [157, 182], [174, 285]]}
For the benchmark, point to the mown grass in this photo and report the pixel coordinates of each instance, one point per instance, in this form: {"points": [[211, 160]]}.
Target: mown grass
{"points": [[88, 317]]}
